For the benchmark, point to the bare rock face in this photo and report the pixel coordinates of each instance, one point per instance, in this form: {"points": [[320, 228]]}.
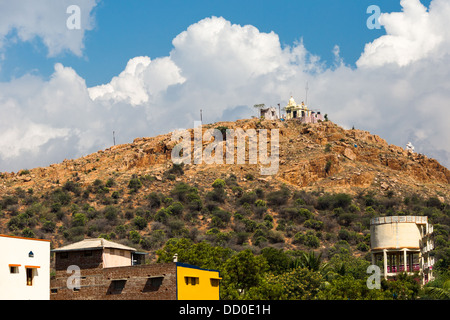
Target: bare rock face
{"points": [[349, 154], [321, 156]]}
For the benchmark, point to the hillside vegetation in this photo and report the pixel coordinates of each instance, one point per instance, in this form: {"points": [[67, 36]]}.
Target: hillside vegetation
{"points": [[301, 234]]}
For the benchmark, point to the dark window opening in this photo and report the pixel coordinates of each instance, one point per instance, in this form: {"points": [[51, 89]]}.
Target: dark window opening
{"points": [[153, 284], [30, 275], [215, 282], [88, 253], [191, 281], [116, 286], [13, 269]]}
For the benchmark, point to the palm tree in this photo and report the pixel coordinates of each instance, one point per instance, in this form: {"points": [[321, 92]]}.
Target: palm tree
{"points": [[312, 262], [438, 292]]}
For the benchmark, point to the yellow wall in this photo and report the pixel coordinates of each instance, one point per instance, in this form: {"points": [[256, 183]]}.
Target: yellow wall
{"points": [[203, 289]]}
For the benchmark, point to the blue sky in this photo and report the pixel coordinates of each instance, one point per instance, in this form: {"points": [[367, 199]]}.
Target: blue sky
{"points": [[126, 29], [142, 68]]}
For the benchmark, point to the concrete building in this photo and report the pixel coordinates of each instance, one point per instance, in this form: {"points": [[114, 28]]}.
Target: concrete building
{"points": [[24, 268], [97, 253], [403, 244], [269, 114], [110, 271], [301, 112]]}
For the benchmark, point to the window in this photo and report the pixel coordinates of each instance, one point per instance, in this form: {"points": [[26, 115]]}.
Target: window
{"points": [[192, 280], [215, 282], [14, 268], [153, 284], [64, 255], [88, 253], [30, 274], [117, 286]]}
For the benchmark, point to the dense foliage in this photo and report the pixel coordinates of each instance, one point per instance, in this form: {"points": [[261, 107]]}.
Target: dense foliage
{"points": [[267, 243]]}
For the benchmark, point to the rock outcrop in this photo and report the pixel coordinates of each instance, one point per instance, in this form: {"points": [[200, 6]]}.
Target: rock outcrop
{"points": [[320, 156]]}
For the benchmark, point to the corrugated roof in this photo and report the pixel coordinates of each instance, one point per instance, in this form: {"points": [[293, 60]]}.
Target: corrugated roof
{"points": [[98, 243]]}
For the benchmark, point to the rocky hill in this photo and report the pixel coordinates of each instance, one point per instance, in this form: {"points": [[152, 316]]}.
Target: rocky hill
{"points": [[103, 193], [357, 160]]}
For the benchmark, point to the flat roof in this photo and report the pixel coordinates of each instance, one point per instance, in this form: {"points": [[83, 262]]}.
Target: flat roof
{"points": [[23, 238]]}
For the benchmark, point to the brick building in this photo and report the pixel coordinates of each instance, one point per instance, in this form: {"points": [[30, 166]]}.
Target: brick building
{"points": [[110, 271]]}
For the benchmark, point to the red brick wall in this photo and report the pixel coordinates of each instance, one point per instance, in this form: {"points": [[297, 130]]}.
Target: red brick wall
{"points": [[96, 284]]}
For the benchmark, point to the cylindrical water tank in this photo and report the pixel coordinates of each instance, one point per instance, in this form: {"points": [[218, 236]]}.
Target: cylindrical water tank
{"points": [[393, 234]]}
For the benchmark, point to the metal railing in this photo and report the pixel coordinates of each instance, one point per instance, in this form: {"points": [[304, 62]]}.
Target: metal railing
{"points": [[401, 268], [399, 219]]}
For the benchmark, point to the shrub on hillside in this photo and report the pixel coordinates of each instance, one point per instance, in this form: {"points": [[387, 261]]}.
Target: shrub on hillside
{"points": [[279, 197], [140, 222], [134, 184], [332, 201], [308, 239]]}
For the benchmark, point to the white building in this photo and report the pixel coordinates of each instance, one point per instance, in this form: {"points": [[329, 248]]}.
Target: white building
{"points": [[269, 114], [24, 268], [404, 244], [301, 113]]}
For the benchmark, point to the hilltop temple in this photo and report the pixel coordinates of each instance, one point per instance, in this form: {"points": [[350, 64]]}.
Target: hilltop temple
{"points": [[301, 112]]}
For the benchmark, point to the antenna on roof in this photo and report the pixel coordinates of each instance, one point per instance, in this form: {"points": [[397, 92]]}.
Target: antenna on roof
{"points": [[307, 88]]}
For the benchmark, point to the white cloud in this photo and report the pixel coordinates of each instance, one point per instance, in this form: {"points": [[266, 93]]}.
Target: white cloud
{"points": [[24, 20], [413, 34], [224, 69], [141, 79]]}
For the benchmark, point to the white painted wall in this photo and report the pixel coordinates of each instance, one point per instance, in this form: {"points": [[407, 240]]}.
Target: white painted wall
{"points": [[116, 258], [395, 235], [15, 250]]}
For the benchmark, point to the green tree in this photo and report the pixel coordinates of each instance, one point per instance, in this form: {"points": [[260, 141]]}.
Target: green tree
{"points": [[297, 284], [277, 259], [202, 254], [348, 288], [405, 287], [243, 271], [439, 288]]}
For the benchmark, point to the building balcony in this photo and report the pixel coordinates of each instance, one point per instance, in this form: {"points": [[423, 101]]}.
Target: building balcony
{"points": [[401, 268]]}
